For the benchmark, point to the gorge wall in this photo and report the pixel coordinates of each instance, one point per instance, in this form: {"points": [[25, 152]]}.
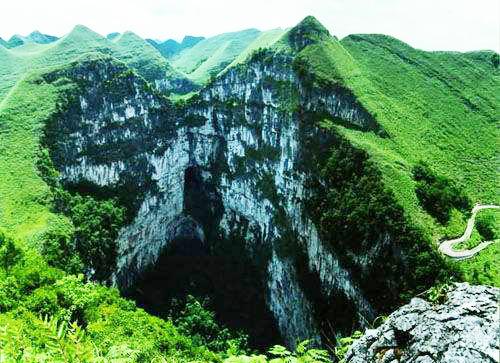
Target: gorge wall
{"points": [[225, 176]]}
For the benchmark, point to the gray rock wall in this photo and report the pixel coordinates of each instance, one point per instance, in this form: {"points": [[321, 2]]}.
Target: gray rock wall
{"points": [[463, 329], [243, 133]]}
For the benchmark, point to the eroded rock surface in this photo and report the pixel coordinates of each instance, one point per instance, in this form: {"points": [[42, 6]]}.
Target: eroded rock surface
{"points": [[465, 328]]}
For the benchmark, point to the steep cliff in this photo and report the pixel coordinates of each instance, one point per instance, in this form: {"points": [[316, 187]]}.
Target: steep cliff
{"points": [[241, 173]]}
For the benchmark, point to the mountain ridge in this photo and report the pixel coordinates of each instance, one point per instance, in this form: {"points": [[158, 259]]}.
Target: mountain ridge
{"points": [[310, 161]]}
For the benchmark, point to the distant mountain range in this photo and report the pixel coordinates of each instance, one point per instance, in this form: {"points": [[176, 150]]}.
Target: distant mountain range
{"points": [[171, 47], [34, 37], [171, 66]]}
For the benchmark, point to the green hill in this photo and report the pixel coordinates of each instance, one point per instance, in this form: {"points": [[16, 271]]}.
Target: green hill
{"points": [[437, 108], [265, 39], [34, 37], [37, 37], [139, 54], [170, 47], [112, 36], [128, 48], [212, 55], [15, 41]]}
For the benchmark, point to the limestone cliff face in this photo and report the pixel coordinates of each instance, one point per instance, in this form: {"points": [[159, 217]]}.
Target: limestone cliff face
{"points": [[463, 328], [229, 164]]}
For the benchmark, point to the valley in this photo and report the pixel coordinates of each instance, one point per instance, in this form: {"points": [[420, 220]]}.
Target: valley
{"points": [[229, 193]]}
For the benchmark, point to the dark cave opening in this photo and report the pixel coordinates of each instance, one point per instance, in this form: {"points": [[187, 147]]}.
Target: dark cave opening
{"points": [[233, 288], [198, 262]]}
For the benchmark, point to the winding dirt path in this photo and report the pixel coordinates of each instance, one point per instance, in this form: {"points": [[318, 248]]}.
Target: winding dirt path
{"points": [[446, 247]]}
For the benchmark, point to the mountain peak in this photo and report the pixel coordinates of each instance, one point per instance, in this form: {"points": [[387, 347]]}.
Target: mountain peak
{"points": [[307, 32], [112, 36], [38, 37], [131, 35], [190, 41], [81, 31], [16, 41]]}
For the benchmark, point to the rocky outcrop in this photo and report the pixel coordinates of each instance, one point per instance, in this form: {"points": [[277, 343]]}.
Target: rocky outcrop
{"points": [[464, 328]]}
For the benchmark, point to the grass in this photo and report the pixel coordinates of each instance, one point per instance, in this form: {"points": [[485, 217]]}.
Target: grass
{"points": [[129, 48], [265, 39], [24, 196], [437, 107], [212, 55]]}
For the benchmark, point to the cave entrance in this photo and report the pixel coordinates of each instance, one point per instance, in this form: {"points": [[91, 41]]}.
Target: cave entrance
{"points": [[198, 262]]}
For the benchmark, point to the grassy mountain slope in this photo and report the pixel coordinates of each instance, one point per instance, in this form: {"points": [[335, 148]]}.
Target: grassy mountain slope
{"points": [[436, 107], [212, 55], [265, 39], [131, 49], [139, 54], [171, 47], [23, 212]]}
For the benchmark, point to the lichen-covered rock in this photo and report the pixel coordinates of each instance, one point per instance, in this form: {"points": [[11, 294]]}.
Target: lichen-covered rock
{"points": [[465, 328]]}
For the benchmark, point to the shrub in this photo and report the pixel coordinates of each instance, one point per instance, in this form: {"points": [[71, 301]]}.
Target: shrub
{"points": [[97, 224], [485, 225], [437, 194], [280, 354], [200, 324], [59, 246], [9, 253]]}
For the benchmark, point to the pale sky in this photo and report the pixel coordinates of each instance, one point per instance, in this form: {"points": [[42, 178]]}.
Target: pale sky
{"points": [[427, 24]]}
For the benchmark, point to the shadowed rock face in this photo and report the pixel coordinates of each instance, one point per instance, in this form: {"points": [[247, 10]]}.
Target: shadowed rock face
{"points": [[465, 328], [223, 178]]}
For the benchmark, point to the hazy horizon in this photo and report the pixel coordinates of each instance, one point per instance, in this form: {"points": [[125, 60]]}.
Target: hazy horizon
{"points": [[429, 25]]}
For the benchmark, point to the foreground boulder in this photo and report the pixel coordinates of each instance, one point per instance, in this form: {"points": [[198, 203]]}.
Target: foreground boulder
{"points": [[464, 328]]}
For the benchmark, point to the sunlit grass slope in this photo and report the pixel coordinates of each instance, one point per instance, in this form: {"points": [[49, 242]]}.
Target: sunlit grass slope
{"points": [[436, 107], [129, 48], [212, 55], [23, 194]]}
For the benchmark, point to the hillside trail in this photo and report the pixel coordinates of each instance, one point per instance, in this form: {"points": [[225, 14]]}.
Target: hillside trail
{"points": [[446, 247]]}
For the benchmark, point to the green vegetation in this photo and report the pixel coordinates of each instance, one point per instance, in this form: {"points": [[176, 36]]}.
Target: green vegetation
{"points": [[279, 354], [435, 107], [210, 56], [265, 39], [412, 178], [129, 48], [351, 207], [46, 315], [344, 344], [170, 47], [438, 195], [487, 225], [24, 196], [438, 294], [142, 56]]}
